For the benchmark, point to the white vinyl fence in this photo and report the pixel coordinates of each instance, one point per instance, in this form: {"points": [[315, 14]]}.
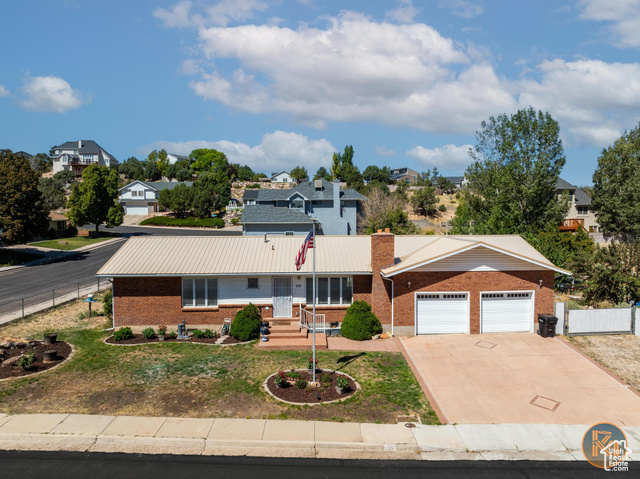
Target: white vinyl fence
{"points": [[559, 311], [601, 321]]}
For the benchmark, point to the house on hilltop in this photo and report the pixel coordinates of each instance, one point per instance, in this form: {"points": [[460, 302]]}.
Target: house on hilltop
{"points": [[78, 155], [580, 214]]}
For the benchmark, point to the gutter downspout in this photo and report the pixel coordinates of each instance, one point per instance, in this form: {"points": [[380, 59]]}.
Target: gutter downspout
{"points": [[392, 294]]}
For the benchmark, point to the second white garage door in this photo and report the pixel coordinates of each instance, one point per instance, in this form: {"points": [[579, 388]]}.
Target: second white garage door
{"points": [[442, 313], [506, 312]]}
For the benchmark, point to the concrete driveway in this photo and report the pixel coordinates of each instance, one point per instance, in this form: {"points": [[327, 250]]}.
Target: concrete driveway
{"points": [[518, 378]]}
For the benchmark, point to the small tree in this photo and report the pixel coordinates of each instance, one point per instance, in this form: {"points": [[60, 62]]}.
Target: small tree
{"points": [[424, 201], [612, 274], [299, 173], [162, 162], [246, 324], [151, 171], [359, 322], [181, 200], [95, 199], [382, 211], [322, 173]]}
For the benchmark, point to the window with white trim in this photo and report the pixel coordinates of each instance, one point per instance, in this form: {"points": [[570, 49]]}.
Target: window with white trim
{"points": [[337, 290], [252, 283], [583, 210], [199, 292]]}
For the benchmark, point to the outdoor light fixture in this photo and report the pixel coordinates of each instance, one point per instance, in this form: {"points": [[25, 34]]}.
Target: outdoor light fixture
{"points": [[540, 283], [408, 284]]}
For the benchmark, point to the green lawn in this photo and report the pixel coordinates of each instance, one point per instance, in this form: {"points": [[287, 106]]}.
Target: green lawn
{"points": [[191, 380], [67, 244], [12, 257]]}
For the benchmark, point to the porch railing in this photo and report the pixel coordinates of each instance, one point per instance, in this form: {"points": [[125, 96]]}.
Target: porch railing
{"points": [[306, 320]]}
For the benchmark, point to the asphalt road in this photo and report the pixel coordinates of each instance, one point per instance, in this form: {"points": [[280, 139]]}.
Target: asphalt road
{"points": [[51, 465], [81, 267]]}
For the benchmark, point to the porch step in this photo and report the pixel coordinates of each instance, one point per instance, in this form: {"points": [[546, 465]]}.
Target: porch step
{"points": [[285, 328], [294, 344], [281, 321], [290, 335]]}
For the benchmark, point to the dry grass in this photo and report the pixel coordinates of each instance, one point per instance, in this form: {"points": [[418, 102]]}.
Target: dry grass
{"points": [[619, 353]]}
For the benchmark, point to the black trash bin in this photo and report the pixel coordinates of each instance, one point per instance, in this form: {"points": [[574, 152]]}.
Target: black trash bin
{"points": [[547, 325]]}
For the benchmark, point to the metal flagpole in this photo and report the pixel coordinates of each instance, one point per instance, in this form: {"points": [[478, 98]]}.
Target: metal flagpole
{"points": [[314, 302]]}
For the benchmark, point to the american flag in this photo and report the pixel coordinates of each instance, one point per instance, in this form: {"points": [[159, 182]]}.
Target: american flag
{"points": [[302, 254]]}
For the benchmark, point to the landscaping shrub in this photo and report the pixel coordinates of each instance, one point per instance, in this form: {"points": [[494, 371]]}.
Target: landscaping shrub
{"points": [[122, 334], [209, 334], [218, 223], [148, 333], [342, 383], [235, 221], [294, 375], [280, 379], [325, 378], [107, 303], [359, 322], [198, 334], [442, 208], [162, 330], [246, 323], [301, 384], [170, 221], [26, 361], [173, 335]]}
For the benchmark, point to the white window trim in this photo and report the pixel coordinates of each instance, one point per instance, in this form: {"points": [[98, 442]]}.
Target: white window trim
{"points": [[329, 303], [206, 293]]}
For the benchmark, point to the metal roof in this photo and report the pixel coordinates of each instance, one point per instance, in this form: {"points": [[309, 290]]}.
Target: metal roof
{"points": [[219, 255], [272, 214]]}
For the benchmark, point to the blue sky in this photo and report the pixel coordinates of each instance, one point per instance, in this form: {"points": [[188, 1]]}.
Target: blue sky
{"points": [[275, 84]]}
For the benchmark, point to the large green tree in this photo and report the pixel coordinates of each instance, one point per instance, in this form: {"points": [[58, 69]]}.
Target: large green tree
{"points": [[424, 201], [52, 193], [615, 196], [299, 173], [613, 274], [512, 180], [375, 173], [162, 161], [94, 200], [206, 159], [322, 173], [23, 215]]}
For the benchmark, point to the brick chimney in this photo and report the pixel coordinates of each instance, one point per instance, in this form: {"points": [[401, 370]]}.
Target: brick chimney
{"points": [[382, 256]]}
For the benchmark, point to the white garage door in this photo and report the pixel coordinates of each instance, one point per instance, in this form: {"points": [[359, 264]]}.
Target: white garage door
{"points": [[442, 313], [137, 210], [506, 312]]}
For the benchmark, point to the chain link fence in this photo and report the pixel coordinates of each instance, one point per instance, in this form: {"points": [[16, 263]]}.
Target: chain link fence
{"points": [[19, 308]]}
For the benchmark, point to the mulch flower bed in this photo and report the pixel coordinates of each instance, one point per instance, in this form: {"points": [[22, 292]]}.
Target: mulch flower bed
{"points": [[63, 351], [326, 391], [140, 339]]}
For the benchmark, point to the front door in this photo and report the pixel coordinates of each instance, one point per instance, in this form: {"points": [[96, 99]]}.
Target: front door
{"points": [[282, 298]]}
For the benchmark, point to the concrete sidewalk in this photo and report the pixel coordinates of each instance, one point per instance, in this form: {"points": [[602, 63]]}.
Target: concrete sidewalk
{"points": [[276, 438]]}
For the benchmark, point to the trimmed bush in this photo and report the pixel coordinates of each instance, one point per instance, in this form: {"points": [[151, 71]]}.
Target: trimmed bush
{"points": [[218, 223], [122, 334], [107, 306], [342, 383], [173, 335], [26, 361], [360, 323], [148, 333], [325, 378], [294, 375], [246, 324], [301, 384], [189, 221]]}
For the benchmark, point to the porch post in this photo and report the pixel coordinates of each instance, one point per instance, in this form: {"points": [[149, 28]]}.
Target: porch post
{"points": [[314, 301]]}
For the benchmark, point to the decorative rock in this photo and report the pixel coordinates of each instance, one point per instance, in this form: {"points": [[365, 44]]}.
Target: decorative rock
{"points": [[377, 336], [5, 345], [385, 335], [11, 362], [3, 354]]}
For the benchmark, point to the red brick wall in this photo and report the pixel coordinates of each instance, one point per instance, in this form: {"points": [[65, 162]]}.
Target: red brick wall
{"points": [[155, 301], [474, 283]]}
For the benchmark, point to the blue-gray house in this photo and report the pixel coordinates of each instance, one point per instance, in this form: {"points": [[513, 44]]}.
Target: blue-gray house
{"points": [[290, 212]]}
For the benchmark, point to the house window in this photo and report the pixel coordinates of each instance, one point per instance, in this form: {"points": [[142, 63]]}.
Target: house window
{"points": [[199, 292], [331, 290], [297, 204], [288, 233], [583, 210], [252, 283]]}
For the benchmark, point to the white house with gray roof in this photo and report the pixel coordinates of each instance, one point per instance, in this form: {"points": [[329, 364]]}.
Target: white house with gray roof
{"points": [[580, 212], [291, 212], [77, 155], [141, 197]]}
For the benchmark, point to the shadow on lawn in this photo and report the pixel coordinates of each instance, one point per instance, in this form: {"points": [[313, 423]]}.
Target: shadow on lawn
{"points": [[346, 360]]}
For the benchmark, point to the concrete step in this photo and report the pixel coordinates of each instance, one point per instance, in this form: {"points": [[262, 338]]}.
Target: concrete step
{"points": [[296, 335], [294, 344], [285, 328]]}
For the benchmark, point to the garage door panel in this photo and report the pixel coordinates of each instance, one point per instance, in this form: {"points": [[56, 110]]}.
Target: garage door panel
{"points": [[137, 210], [440, 313], [507, 312]]}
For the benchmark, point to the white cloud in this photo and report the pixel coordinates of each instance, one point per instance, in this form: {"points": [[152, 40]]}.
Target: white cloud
{"points": [[222, 13], [447, 157], [592, 100], [4, 92], [463, 8], [384, 151], [623, 16], [405, 12], [50, 93], [279, 150]]}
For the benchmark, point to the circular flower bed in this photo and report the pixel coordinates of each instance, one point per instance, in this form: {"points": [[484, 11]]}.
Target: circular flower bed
{"points": [[30, 359], [291, 389], [140, 339]]}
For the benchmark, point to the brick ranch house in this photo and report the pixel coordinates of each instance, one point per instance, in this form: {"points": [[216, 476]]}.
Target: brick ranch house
{"points": [[415, 284]]}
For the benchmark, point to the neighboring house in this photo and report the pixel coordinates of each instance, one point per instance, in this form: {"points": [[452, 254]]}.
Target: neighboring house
{"points": [[77, 155], [290, 212], [173, 158], [58, 222], [406, 175], [458, 181], [23, 154], [415, 284], [580, 213], [282, 177], [141, 197]]}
